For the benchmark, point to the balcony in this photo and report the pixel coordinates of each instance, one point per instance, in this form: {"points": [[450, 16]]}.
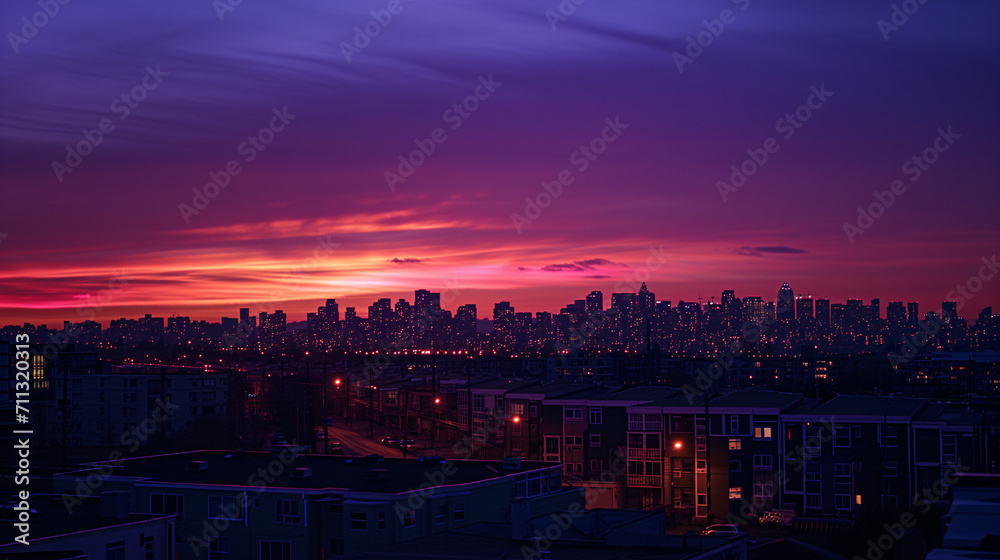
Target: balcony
{"points": [[645, 481], [949, 459], [644, 454]]}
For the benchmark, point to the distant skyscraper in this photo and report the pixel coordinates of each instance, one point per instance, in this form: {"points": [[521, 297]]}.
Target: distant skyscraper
{"points": [[912, 312], [876, 310], [595, 302], [753, 308], [804, 308], [949, 311], [645, 300], [785, 310], [895, 315], [823, 312]]}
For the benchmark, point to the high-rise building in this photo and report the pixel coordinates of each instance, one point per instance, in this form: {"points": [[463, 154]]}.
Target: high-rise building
{"points": [[895, 315], [785, 310], [595, 302], [823, 312], [949, 311], [645, 300], [804, 308], [912, 312], [753, 309], [503, 326]]}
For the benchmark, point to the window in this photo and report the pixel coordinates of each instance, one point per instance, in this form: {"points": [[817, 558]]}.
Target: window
{"points": [[949, 448], [891, 501], [148, 547], [115, 551], [700, 465], [359, 521], [573, 414], [702, 499], [516, 408], [596, 465], [336, 547], [735, 465], [193, 396], [762, 432], [595, 440], [842, 502], [224, 507], [533, 410], [410, 519], [813, 501], [275, 550], [812, 477], [208, 383], [891, 436], [735, 444], [336, 506], [842, 470], [891, 469], [440, 513], [763, 490], [552, 445], [380, 519], [459, 511], [735, 493], [734, 424], [167, 504], [814, 440], [208, 396], [287, 511], [218, 548], [842, 436], [574, 441], [596, 415], [762, 462]]}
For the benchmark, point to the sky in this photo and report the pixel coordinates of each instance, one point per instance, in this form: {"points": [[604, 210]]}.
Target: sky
{"points": [[118, 122]]}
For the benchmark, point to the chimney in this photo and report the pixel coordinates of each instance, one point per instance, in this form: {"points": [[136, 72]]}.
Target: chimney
{"points": [[115, 505]]}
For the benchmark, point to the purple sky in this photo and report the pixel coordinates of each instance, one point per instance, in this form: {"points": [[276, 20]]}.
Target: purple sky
{"points": [[450, 223]]}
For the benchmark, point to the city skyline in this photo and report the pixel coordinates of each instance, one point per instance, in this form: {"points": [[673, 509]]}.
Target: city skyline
{"points": [[452, 302], [619, 144]]}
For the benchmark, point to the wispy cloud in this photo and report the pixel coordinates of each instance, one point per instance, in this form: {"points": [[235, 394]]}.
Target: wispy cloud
{"points": [[406, 261], [761, 250]]}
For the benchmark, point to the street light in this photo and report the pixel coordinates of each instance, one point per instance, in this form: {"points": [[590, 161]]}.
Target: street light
{"points": [[677, 445]]}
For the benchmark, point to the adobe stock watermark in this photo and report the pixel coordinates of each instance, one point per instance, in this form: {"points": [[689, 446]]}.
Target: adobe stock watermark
{"points": [[787, 126], [134, 437], [454, 115], [898, 16], [290, 283], [122, 106], [696, 44], [965, 291], [38, 20], [581, 159], [562, 12], [249, 149], [914, 168], [363, 35]]}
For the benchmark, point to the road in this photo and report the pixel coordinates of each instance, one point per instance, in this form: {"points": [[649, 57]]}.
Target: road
{"points": [[357, 444]]}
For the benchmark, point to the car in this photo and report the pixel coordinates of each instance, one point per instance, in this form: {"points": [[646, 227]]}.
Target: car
{"points": [[390, 441], [409, 443], [320, 434], [723, 530], [329, 421], [336, 450], [334, 442]]}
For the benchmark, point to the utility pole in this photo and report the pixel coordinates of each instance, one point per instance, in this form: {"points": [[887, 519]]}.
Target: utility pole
{"points": [[434, 397], [326, 435], [371, 405]]}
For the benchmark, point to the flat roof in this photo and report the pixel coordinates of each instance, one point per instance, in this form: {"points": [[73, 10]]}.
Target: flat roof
{"points": [[756, 399], [329, 472], [853, 405]]}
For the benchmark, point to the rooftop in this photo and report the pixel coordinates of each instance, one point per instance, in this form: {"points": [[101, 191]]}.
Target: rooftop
{"points": [[757, 399], [870, 406], [357, 474]]}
